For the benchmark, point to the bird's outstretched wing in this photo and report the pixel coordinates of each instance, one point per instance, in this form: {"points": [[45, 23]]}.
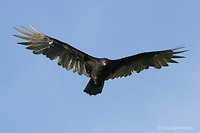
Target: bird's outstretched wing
{"points": [[125, 66], [69, 57]]}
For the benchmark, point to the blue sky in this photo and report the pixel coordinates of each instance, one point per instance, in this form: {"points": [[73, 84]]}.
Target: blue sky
{"points": [[38, 96]]}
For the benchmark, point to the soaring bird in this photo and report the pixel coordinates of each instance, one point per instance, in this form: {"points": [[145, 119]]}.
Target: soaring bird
{"points": [[97, 69]]}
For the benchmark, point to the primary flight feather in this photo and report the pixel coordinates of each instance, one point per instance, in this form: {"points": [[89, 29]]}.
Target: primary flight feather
{"points": [[98, 69]]}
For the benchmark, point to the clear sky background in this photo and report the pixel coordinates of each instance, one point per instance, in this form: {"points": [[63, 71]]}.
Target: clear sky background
{"points": [[38, 96]]}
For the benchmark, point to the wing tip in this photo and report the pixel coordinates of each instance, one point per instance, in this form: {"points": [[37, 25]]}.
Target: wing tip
{"points": [[22, 37], [177, 51], [32, 28], [180, 47]]}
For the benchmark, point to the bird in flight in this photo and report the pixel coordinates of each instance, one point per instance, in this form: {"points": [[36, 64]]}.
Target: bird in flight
{"points": [[97, 69]]}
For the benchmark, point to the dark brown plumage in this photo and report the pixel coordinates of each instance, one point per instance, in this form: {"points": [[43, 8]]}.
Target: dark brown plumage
{"points": [[98, 69]]}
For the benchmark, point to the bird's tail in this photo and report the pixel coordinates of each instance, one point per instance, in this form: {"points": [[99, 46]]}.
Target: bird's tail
{"points": [[92, 88]]}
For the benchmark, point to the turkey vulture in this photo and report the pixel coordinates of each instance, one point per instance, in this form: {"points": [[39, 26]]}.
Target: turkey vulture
{"points": [[97, 69]]}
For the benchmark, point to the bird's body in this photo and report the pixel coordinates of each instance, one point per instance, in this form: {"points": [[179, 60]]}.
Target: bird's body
{"points": [[98, 69]]}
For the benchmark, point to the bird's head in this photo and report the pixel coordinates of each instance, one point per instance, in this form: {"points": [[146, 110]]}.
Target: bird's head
{"points": [[104, 62]]}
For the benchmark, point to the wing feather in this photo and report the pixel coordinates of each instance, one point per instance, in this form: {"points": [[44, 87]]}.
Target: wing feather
{"points": [[69, 57], [125, 66]]}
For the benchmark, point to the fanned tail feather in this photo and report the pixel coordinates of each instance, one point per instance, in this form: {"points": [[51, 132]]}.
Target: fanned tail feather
{"points": [[92, 88]]}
